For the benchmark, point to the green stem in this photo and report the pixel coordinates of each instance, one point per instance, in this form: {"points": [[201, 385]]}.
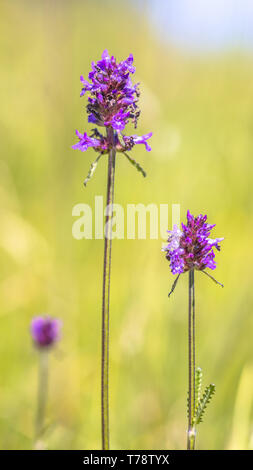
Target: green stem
{"points": [[42, 394], [191, 434], [106, 294]]}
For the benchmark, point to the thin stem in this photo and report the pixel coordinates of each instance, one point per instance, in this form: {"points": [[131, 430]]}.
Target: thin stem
{"points": [[42, 394], [106, 294], [191, 434], [193, 341]]}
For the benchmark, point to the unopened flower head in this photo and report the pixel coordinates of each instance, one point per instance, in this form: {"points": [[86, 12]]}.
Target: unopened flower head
{"points": [[45, 331], [112, 103], [191, 247]]}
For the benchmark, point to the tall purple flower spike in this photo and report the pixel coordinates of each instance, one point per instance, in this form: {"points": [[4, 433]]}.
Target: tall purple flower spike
{"points": [[192, 248], [45, 331], [112, 104]]}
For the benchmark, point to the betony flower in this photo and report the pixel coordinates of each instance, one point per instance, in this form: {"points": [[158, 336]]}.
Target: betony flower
{"points": [[45, 331], [130, 141], [99, 144], [112, 103], [192, 247], [118, 120]]}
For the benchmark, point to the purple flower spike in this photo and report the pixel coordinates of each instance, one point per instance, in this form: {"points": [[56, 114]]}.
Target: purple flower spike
{"points": [[114, 97], [112, 103], [45, 331], [191, 247]]}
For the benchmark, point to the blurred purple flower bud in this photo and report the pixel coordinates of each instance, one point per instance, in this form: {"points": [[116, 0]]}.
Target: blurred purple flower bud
{"points": [[45, 331], [191, 247]]}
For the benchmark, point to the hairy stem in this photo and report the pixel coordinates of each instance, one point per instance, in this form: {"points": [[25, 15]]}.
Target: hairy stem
{"points": [[42, 394], [106, 294], [191, 434]]}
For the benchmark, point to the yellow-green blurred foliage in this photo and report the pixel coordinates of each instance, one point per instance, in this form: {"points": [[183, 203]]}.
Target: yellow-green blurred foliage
{"points": [[200, 110]]}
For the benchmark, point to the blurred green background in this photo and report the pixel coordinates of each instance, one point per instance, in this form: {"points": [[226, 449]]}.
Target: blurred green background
{"points": [[199, 108]]}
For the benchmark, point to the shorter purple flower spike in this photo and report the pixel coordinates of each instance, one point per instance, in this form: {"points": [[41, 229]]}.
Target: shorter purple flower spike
{"points": [[45, 331], [191, 247]]}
